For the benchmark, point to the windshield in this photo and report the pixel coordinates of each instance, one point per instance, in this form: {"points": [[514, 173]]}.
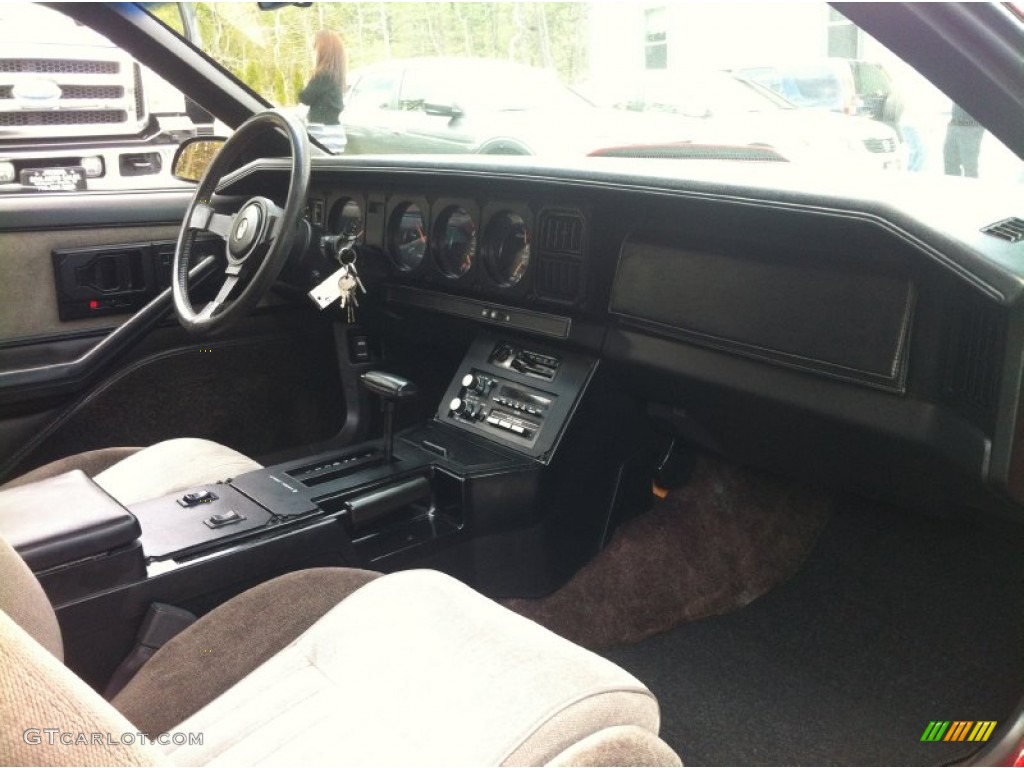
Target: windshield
{"points": [[484, 78]]}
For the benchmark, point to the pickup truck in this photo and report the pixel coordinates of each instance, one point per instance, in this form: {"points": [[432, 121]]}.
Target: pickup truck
{"points": [[80, 113]]}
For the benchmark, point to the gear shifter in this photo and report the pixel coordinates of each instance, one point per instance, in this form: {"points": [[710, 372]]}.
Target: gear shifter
{"points": [[391, 389]]}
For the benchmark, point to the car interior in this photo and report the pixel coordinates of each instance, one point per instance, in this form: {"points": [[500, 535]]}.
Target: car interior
{"points": [[603, 467]]}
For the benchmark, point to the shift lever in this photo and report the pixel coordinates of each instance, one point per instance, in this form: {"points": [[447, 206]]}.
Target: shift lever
{"points": [[390, 389]]}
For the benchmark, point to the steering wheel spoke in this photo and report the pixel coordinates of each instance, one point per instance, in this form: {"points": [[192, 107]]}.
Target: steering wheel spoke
{"points": [[205, 219], [221, 298]]}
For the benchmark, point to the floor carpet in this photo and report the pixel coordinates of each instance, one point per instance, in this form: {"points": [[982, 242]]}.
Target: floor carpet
{"points": [[894, 621], [724, 539]]}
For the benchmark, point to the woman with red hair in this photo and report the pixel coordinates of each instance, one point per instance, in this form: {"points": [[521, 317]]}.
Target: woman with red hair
{"points": [[323, 93]]}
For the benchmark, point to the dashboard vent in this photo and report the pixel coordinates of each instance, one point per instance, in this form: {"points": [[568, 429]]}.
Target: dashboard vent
{"points": [[558, 279], [561, 244], [972, 376], [561, 233], [1011, 229]]}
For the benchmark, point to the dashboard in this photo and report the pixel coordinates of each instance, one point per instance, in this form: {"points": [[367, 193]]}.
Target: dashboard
{"points": [[847, 333]]}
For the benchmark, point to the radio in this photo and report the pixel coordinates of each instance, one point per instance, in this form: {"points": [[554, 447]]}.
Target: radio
{"points": [[519, 396], [497, 404]]}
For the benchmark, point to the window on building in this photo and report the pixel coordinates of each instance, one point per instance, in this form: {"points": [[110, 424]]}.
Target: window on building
{"points": [[843, 42], [656, 38]]}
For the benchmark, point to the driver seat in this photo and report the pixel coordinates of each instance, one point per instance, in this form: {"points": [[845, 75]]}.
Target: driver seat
{"points": [[132, 475]]}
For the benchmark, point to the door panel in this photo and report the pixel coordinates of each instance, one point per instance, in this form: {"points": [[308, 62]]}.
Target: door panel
{"points": [[269, 384], [29, 306]]}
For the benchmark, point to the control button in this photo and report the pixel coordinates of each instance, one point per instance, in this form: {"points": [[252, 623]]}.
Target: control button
{"points": [[493, 420], [455, 406], [197, 497], [518, 429], [468, 380], [225, 518], [505, 424]]}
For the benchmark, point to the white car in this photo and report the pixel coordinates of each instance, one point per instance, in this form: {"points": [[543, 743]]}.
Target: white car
{"points": [[719, 109]]}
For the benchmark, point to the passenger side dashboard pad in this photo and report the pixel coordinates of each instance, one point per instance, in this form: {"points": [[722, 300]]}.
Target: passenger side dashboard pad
{"points": [[833, 319]]}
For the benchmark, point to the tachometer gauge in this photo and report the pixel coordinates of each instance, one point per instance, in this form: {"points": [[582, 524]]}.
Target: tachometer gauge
{"points": [[506, 250], [407, 236], [455, 242], [346, 219]]}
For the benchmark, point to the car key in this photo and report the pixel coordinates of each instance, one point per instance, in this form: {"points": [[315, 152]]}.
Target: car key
{"points": [[347, 288], [329, 291]]}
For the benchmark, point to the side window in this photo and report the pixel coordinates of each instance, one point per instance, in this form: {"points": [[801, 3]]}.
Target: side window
{"points": [[372, 91], [79, 114]]}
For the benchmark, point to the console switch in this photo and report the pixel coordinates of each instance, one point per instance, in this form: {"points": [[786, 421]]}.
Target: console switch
{"points": [[197, 497], [224, 518]]}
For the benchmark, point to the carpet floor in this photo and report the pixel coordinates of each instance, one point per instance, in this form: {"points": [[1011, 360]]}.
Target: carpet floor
{"points": [[714, 545], [895, 620]]}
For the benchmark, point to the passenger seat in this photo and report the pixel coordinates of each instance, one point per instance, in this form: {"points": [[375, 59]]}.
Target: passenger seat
{"points": [[412, 668]]}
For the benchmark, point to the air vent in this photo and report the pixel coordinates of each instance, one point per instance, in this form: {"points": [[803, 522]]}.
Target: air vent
{"points": [[561, 232], [558, 278], [561, 244], [1011, 229], [972, 376]]}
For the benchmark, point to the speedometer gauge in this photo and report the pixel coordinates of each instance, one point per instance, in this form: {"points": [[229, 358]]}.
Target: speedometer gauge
{"points": [[506, 250], [455, 242], [407, 236], [346, 219]]}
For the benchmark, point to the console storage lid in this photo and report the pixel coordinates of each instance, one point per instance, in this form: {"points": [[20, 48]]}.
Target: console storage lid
{"points": [[63, 519]]}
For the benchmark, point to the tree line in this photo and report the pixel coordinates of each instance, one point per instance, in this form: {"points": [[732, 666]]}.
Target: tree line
{"points": [[272, 50]]}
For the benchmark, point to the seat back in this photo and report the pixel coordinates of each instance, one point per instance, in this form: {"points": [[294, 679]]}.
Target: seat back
{"points": [[48, 716], [23, 600]]}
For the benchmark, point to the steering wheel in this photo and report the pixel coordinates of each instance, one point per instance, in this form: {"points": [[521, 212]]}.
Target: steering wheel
{"points": [[258, 237]]}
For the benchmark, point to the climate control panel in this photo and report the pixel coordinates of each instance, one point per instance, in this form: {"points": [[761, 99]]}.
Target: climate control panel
{"points": [[518, 394]]}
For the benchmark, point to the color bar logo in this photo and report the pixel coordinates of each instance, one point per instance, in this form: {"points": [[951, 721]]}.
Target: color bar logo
{"points": [[958, 730]]}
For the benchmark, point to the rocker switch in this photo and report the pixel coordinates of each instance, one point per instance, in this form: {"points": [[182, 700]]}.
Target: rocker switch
{"points": [[225, 518], [197, 497]]}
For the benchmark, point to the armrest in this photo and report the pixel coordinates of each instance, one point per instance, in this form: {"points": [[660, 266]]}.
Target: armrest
{"points": [[63, 519]]}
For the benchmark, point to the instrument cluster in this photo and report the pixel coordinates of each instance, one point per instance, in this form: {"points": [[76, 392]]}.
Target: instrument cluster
{"points": [[451, 242]]}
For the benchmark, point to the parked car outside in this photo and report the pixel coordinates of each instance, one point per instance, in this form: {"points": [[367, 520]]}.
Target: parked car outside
{"points": [[850, 86], [109, 123], [485, 106], [493, 107], [723, 109]]}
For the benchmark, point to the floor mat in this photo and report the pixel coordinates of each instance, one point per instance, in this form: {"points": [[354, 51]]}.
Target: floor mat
{"points": [[727, 537], [894, 621]]}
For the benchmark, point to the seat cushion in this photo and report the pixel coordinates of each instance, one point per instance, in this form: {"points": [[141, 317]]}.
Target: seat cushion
{"points": [[202, 662], [171, 466], [415, 668]]}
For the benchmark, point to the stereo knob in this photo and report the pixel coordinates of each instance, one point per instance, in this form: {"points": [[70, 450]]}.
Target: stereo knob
{"points": [[456, 406], [475, 383]]}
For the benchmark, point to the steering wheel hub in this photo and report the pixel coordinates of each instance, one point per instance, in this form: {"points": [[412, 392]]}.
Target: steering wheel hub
{"points": [[248, 230]]}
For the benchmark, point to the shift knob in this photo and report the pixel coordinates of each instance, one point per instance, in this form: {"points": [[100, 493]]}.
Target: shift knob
{"points": [[388, 386], [391, 390]]}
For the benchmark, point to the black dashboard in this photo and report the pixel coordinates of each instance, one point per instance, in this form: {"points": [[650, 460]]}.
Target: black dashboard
{"points": [[848, 333]]}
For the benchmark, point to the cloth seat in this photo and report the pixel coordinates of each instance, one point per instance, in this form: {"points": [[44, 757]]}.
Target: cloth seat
{"points": [[132, 475], [411, 668]]}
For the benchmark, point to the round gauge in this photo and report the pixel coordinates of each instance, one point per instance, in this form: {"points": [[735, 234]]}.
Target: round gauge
{"points": [[346, 219], [407, 236], [506, 249], [455, 242]]}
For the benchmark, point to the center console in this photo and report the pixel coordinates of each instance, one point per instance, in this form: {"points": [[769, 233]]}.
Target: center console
{"points": [[427, 495]]}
